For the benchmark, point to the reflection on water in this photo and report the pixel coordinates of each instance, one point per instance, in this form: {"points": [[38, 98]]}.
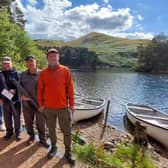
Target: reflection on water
{"points": [[121, 88]]}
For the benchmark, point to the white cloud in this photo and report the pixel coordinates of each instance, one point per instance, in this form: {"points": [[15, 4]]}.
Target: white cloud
{"points": [[33, 2], [136, 35], [57, 19], [106, 1], [139, 27], [140, 18]]}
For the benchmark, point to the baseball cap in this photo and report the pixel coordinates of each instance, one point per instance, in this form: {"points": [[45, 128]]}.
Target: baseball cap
{"points": [[29, 57], [6, 59], [52, 50]]}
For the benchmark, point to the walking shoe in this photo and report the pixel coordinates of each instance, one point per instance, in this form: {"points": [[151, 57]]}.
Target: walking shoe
{"points": [[30, 140], [69, 158], [18, 138], [2, 127], [52, 152], [8, 136], [44, 143]]}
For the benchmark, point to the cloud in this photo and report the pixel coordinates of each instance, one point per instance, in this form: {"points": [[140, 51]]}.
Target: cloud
{"points": [[140, 18], [106, 1], [57, 19], [136, 35], [139, 27], [32, 2]]}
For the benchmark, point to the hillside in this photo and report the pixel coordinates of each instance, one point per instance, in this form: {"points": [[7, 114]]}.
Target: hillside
{"points": [[119, 52]]}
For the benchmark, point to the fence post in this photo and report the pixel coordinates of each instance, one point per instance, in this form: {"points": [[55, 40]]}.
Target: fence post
{"points": [[105, 121], [107, 112]]}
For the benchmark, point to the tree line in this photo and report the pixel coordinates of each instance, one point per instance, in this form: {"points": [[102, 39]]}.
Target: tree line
{"points": [[76, 57], [154, 57]]}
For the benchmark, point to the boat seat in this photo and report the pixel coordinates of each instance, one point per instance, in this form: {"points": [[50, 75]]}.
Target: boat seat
{"points": [[141, 111], [92, 100], [141, 108], [152, 117], [155, 122], [84, 105]]}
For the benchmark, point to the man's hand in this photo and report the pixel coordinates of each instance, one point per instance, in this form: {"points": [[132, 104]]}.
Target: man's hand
{"points": [[13, 91], [41, 108], [72, 109], [1, 102], [25, 98]]}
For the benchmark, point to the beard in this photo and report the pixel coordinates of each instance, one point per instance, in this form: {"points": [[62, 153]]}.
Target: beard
{"points": [[52, 66]]}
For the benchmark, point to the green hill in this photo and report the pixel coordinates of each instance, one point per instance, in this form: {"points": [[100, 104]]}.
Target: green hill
{"points": [[119, 52]]}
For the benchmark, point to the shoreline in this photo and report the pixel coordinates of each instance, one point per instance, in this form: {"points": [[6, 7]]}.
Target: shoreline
{"points": [[113, 135], [23, 156]]}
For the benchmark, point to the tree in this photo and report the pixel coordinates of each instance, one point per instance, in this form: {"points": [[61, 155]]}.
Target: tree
{"points": [[16, 15], [154, 57], [5, 3], [15, 42]]}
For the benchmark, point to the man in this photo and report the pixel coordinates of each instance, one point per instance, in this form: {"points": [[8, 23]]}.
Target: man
{"points": [[28, 80], [9, 97], [55, 97]]}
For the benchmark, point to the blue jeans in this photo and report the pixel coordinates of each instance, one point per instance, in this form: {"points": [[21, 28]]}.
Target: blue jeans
{"points": [[0, 114]]}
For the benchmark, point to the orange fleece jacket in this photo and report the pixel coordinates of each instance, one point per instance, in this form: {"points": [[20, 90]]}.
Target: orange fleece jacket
{"points": [[55, 88]]}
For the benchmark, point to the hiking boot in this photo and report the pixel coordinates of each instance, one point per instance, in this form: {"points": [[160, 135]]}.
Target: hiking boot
{"points": [[18, 138], [69, 158], [2, 127], [30, 140], [8, 136], [44, 143], [52, 152]]}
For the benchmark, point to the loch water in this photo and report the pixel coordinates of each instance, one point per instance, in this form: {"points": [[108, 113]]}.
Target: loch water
{"points": [[122, 87]]}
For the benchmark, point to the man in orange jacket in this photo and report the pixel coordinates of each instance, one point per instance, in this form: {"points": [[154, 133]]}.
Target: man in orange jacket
{"points": [[55, 98]]}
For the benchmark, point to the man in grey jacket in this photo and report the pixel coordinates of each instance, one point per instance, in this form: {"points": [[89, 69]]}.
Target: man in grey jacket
{"points": [[28, 80]]}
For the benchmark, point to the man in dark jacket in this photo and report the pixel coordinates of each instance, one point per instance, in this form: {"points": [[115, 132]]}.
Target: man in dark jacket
{"points": [[28, 80], [9, 97]]}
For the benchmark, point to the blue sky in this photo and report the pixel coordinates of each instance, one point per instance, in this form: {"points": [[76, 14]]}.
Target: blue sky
{"points": [[71, 19]]}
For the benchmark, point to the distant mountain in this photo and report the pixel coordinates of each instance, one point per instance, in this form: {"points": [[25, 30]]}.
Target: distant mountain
{"points": [[119, 52]]}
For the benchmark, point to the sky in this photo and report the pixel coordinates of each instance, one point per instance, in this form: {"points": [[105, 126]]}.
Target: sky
{"points": [[70, 19]]}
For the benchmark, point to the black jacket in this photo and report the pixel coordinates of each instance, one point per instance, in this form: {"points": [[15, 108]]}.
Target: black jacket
{"points": [[7, 77]]}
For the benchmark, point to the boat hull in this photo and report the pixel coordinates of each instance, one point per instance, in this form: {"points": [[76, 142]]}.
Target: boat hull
{"points": [[154, 127]]}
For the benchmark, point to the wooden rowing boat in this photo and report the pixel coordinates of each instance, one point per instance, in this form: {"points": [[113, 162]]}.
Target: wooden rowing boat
{"points": [[87, 107], [156, 122]]}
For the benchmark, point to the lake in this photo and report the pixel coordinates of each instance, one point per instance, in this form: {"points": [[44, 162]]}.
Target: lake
{"points": [[123, 87]]}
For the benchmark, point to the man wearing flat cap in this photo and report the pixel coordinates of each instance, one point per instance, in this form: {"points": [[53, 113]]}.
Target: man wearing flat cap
{"points": [[28, 80], [55, 98], [9, 97]]}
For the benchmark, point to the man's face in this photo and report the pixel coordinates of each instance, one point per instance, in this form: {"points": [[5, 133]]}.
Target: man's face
{"points": [[31, 64], [7, 66], [53, 58]]}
